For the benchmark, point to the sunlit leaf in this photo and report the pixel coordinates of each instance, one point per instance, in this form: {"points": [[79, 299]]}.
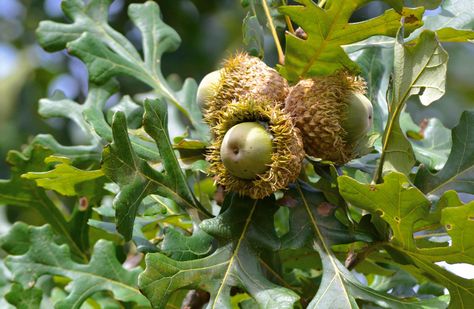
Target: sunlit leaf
{"points": [[402, 207], [418, 70], [328, 29], [63, 177], [22, 192], [339, 288], [107, 53], [454, 22]]}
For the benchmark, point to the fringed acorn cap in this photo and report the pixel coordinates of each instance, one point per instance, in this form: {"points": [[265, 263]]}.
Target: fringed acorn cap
{"points": [[286, 158], [320, 107], [244, 76]]}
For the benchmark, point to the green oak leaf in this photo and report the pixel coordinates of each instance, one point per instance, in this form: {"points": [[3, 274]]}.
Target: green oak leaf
{"points": [[22, 192], [428, 4], [44, 257], [458, 173], [461, 290], [107, 53], [404, 208], [419, 70], [59, 106], [339, 288], [328, 29], [89, 117], [24, 298], [106, 224], [136, 177], [253, 35], [376, 65], [64, 177], [184, 248], [431, 143], [242, 228], [301, 230], [133, 111], [256, 24], [454, 23], [395, 201]]}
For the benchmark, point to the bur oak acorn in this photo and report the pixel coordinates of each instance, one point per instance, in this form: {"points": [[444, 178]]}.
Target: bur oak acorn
{"points": [[246, 150], [241, 77], [357, 121], [333, 114], [208, 87], [256, 150]]}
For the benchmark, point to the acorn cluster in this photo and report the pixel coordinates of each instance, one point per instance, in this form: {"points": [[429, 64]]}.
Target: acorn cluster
{"points": [[262, 128]]}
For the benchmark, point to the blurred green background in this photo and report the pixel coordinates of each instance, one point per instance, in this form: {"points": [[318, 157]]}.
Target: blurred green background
{"points": [[210, 30]]}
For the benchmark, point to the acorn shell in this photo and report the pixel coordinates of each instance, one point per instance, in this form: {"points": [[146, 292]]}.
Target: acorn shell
{"points": [[287, 156], [319, 107], [244, 76]]}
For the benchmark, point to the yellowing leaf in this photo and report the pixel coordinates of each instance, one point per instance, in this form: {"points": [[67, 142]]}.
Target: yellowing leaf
{"points": [[63, 177]]}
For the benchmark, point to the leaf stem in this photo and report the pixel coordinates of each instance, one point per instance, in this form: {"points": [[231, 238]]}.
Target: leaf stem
{"points": [[289, 24], [281, 55], [288, 21]]}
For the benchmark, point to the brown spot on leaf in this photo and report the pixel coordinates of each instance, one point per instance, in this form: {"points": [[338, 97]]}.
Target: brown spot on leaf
{"points": [[411, 19], [325, 209], [372, 188], [83, 203]]}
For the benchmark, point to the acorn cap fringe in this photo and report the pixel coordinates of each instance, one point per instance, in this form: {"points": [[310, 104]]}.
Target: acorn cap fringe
{"points": [[244, 76], [317, 107], [287, 153]]}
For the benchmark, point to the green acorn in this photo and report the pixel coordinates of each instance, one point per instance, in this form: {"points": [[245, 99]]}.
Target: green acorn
{"points": [[257, 150], [208, 87], [241, 76], [246, 150], [333, 114]]}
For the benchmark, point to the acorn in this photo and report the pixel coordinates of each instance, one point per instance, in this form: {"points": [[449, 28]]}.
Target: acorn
{"points": [[256, 150], [242, 76], [333, 114], [246, 150], [208, 87]]}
